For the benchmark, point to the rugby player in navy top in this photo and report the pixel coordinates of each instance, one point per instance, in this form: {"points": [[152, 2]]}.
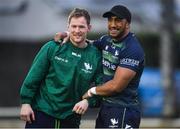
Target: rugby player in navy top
{"points": [[123, 64]]}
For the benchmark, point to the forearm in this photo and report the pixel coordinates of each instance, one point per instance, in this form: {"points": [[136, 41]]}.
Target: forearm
{"points": [[120, 81], [106, 89], [110, 88]]}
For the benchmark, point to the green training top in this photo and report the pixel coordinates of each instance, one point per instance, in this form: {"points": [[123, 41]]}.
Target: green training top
{"points": [[59, 76]]}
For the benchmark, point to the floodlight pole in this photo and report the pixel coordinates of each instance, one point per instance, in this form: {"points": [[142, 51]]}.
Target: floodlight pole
{"points": [[167, 38]]}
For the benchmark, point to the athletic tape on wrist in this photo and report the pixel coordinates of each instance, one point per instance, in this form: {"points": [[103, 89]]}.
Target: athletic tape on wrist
{"points": [[89, 93], [93, 90]]}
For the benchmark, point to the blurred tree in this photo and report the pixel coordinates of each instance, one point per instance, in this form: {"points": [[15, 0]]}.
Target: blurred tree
{"points": [[167, 56]]}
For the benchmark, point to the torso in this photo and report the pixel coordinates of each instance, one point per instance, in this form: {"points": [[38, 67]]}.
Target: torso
{"points": [[126, 53]]}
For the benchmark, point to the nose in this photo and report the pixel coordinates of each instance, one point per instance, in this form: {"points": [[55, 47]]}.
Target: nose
{"points": [[112, 23], [77, 29]]}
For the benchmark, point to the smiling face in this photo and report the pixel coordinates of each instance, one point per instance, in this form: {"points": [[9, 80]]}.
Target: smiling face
{"points": [[78, 28], [117, 28]]}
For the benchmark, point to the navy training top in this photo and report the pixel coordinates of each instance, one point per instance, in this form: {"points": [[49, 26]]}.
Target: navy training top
{"points": [[126, 53]]}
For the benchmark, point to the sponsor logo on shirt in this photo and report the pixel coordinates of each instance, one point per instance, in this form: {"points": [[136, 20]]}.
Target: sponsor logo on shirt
{"points": [[87, 68], [61, 59], [76, 54], [130, 62], [109, 65]]}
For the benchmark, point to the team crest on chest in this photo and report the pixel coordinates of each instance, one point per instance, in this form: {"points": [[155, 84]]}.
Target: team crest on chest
{"points": [[87, 68]]}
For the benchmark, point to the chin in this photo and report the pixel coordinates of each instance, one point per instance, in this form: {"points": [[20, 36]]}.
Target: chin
{"points": [[78, 41], [114, 35]]}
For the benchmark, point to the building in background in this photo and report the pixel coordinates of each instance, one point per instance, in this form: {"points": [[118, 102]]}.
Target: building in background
{"points": [[37, 19]]}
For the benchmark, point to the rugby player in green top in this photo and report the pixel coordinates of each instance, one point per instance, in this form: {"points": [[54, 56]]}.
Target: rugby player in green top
{"points": [[60, 74]]}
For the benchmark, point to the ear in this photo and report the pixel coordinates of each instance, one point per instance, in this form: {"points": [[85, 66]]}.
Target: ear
{"points": [[127, 25], [68, 27], [89, 27]]}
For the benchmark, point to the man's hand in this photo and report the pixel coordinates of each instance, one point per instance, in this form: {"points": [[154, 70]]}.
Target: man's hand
{"points": [[81, 107], [90, 93], [27, 113], [61, 37]]}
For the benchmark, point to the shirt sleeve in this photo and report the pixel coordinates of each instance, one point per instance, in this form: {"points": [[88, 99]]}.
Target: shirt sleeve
{"points": [[132, 58], [35, 75]]}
